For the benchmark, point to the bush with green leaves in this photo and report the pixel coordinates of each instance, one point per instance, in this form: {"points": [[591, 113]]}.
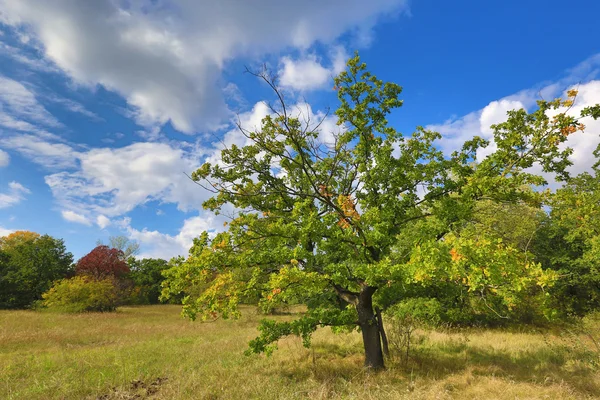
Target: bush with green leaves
{"points": [[81, 294]]}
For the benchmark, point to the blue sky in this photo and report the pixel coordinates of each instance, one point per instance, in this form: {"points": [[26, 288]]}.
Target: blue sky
{"points": [[105, 105]]}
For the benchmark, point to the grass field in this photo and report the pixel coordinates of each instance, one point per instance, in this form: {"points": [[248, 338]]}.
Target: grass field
{"points": [[152, 353]]}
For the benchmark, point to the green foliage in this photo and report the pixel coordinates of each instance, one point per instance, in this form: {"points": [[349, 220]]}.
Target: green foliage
{"points": [[29, 263], [81, 294], [569, 243], [345, 226], [482, 273], [146, 275], [422, 311]]}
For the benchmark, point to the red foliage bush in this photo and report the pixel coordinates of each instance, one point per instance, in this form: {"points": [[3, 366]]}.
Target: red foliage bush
{"points": [[102, 262]]}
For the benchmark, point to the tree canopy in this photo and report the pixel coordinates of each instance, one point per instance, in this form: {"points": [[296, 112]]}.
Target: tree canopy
{"points": [[146, 274], [130, 248], [102, 262], [342, 226], [29, 263]]}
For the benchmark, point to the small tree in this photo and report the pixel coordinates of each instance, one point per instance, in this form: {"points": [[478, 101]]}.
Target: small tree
{"points": [[319, 221], [130, 248], [102, 262]]}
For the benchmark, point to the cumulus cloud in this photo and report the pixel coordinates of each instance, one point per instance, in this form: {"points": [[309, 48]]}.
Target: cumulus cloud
{"points": [[102, 221], [4, 158], [165, 57], [583, 143], [106, 183], [72, 216], [308, 73], [157, 244], [15, 194], [109, 182], [112, 182], [456, 132]]}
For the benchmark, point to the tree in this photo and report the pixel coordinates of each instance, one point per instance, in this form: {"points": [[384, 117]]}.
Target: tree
{"points": [[129, 247], [102, 262], [569, 242], [319, 221], [29, 263], [146, 274]]}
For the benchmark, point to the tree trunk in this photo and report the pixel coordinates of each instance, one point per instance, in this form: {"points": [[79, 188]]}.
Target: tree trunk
{"points": [[384, 340], [369, 327]]}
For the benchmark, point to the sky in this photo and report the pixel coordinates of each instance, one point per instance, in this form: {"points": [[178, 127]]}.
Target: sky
{"points": [[107, 105]]}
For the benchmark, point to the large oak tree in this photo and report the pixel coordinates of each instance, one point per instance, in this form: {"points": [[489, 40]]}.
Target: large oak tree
{"points": [[340, 225]]}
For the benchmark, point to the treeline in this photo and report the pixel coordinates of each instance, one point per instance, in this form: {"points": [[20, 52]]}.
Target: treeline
{"points": [[37, 271]]}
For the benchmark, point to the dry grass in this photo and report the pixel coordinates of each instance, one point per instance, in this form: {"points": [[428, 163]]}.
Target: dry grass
{"points": [[152, 353]]}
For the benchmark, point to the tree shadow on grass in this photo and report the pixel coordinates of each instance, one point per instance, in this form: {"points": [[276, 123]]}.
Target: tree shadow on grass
{"points": [[562, 364], [575, 367]]}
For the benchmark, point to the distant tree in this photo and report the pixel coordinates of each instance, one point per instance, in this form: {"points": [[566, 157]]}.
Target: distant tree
{"points": [[320, 221], [128, 246], [102, 262], [146, 275], [19, 237], [29, 263]]}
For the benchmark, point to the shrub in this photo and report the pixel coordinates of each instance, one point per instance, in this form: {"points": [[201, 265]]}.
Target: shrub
{"points": [[81, 294], [407, 316]]}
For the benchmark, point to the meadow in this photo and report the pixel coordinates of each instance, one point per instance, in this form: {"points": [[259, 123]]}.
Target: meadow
{"points": [[150, 352]]}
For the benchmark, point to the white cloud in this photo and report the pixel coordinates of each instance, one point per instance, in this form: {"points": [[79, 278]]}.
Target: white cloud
{"points": [[20, 101], [20, 110], [109, 182], [303, 74], [115, 181], [5, 232], [15, 194], [102, 221], [74, 217], [43, 152], [157, 244], [73, 106], [4, 158], [308, 74], [165, 57], [456, 132], [584, 143], [34, 63]]}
